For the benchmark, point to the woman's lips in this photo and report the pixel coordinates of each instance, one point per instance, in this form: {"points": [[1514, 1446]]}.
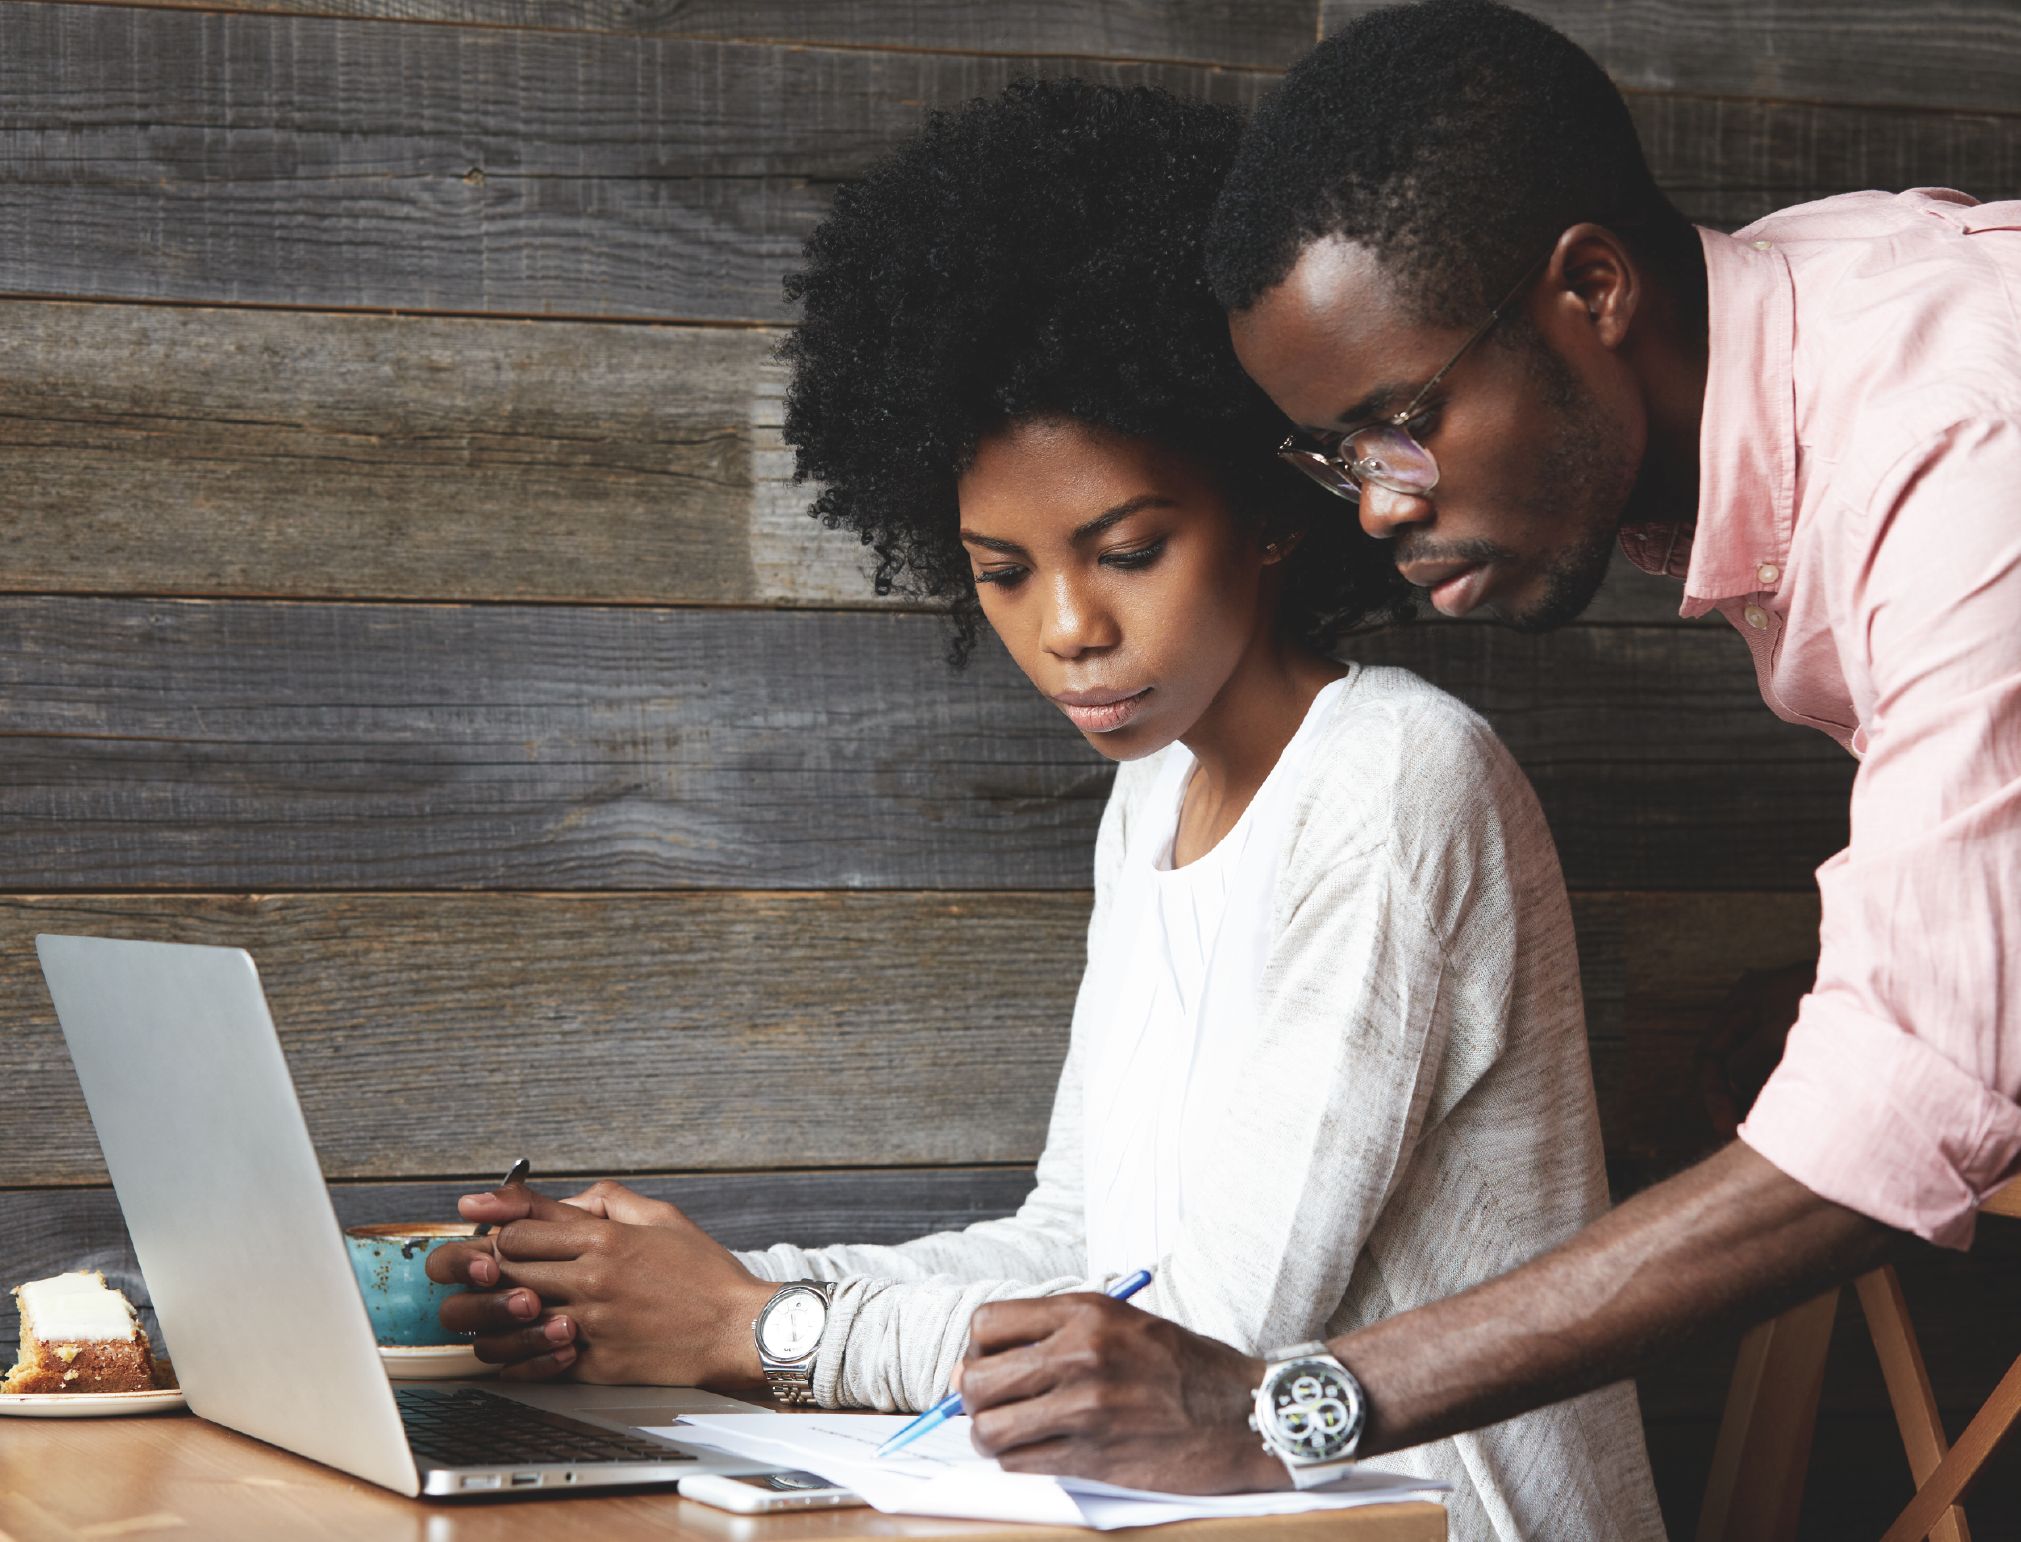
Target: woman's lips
{"points": [[1101, 712]]}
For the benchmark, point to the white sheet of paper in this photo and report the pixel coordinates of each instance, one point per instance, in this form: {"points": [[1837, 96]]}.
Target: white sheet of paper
{"points": [[940, 1474]]}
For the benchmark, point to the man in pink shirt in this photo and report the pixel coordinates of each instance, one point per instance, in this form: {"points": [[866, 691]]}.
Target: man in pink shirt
{"points": [[1445, 259]]}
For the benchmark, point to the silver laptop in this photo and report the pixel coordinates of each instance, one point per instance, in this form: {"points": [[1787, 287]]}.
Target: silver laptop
{"points": [[247, 1268]]}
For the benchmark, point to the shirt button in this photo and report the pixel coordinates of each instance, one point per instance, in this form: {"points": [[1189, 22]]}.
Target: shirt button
{"points": [[1768, 572], [1756, 617]]}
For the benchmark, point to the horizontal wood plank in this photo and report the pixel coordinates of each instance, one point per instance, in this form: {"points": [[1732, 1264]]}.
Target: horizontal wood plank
{"points": [[334, 163], [248, 745], [427, 1034], [243, 452], [1681, 954], [52, 1231], [1650, 750], [168, 744], [1946, 53], [624, 1033], [1244, 33], [200, 451], [1727, 162], [549, 173]]}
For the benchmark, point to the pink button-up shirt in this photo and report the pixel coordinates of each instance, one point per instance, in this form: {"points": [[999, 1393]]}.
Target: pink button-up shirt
{"points": [[1859, 523]]}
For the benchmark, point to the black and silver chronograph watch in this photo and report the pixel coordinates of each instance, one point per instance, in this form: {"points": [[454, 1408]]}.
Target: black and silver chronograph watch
{"points": [[1310, 1412], [789, 1336]]}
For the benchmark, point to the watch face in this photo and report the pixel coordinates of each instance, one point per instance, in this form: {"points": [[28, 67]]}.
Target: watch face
{"points": [[1316, 1410], [791, 1327]]}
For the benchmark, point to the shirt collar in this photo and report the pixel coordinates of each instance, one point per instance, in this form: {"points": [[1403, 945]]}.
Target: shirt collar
{"points": [[1746, 437]]}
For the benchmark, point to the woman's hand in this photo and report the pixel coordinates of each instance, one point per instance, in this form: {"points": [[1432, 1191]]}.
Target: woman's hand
{"points": [[607, 1287]]}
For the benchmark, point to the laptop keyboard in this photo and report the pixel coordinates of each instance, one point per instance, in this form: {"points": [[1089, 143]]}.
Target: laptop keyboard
{"points": [[470, 1428]]}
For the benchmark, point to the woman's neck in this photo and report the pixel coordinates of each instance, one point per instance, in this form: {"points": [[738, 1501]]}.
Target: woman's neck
{"points": [[1241, 736]]}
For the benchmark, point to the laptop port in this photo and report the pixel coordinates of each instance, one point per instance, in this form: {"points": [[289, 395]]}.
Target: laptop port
{"points": [[480, 1480], [526, 1480]]}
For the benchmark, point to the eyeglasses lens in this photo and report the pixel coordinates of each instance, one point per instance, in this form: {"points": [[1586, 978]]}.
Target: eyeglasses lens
{"points": [[1389, 457], [1384, 454], [1328, 473]]}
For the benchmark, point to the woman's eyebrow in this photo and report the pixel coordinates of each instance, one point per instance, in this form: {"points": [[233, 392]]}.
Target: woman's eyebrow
{"points": [[991, 543], [1121, 511]]}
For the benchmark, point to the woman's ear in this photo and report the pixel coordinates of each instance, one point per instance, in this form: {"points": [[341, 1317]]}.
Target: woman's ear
{"points": [[1277, 548]]}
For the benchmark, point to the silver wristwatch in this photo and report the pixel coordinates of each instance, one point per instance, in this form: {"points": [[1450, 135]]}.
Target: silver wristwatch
{"points": [[789, 1337], [1310, 1411]]}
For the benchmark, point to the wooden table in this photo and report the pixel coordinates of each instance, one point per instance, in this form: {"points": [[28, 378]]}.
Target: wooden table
{"points": [[177, 1476]]}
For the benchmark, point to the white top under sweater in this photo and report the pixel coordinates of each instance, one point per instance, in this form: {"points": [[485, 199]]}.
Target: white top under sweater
{"points": [[1169, 1004], [1416, 1115]]}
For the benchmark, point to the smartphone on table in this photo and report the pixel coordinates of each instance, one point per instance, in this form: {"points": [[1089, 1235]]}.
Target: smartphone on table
{"points": [[766, 1493]]}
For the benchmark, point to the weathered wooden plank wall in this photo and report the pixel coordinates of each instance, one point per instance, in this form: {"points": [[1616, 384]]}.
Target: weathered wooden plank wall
{"points": [[404, 580]]}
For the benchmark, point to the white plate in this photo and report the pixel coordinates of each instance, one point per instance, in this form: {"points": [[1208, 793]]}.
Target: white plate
{"points": [[432, 1362], [89, 1405]]}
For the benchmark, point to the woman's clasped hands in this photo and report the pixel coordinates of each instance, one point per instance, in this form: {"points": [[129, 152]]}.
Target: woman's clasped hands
{"points": [[605, 1286]]}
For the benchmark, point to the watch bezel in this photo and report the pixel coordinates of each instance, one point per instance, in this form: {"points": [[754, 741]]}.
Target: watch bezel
{"points": [[785, 1293], [1343, 1447]]}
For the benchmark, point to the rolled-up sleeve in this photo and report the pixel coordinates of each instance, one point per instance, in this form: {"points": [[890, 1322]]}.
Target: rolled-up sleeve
{"points": [[1896, 1095]]}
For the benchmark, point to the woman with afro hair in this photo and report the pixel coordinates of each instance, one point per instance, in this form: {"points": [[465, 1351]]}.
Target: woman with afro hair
{"points": [[1328, 1061]]}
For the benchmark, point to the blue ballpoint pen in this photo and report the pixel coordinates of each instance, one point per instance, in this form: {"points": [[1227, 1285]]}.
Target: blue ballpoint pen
{"points": [[950, 1405]]}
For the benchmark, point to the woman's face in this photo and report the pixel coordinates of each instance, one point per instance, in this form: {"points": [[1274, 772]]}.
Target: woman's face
{"points": [[1117, 575]]}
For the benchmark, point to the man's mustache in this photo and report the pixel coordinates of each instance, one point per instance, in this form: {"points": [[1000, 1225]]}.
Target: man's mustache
{"points": [[1409, 549]]}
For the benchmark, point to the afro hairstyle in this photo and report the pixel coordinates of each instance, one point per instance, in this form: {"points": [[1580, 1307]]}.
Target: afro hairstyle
{"points": [[1039, 256], [1456, 139]]}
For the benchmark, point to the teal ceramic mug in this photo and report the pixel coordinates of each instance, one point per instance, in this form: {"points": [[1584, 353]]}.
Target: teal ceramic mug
{"points": [[390, 1261]]}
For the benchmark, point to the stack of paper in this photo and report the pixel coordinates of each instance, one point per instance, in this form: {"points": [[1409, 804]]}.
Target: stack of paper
{"points": [[940, 1474]]}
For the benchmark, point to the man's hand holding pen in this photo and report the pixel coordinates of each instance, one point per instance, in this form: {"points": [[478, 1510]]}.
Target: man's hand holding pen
{"points": [[1089, 1387], [606, 1286]]}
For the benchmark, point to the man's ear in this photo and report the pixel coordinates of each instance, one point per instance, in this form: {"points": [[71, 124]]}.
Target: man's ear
{"points": [[1592, 271]]}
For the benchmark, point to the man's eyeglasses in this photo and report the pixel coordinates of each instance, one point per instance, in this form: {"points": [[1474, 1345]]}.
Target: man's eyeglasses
{"points": [[1385, 452]]}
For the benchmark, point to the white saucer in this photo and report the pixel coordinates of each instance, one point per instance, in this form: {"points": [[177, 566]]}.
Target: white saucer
{"points": [[89, 1405], [432, 1362]]}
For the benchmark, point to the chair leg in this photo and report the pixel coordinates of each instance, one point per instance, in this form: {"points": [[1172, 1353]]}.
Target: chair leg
{"points": [[1758, 1466], [1908, 1381], [1955, 1474]]}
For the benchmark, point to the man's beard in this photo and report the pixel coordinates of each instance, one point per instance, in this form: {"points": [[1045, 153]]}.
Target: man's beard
{"points": [[1585, 466]]}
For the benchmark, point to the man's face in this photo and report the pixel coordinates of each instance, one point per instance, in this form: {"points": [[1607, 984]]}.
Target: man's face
{"points": [[1537, 451]]}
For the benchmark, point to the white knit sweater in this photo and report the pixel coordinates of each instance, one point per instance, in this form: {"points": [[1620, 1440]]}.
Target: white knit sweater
{"points": [[1417, 1116]]}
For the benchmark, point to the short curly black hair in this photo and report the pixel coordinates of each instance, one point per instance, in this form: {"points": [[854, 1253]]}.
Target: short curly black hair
{"points": [[1455, 138], [1035, 256]]}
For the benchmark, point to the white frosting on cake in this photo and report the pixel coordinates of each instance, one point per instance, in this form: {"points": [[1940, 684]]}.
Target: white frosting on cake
{"points": [[74, 1308]]}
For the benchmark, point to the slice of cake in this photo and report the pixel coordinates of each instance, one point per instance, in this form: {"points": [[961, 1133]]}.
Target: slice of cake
{"points": [[79, 1335]]}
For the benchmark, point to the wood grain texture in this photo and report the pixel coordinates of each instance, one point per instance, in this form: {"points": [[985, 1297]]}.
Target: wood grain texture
{"points": [[1649, 748], [1243, 33], [51, 1231], [243, 745], [359, 746], [1728, 162], [622, 1033], [550, 173], [192, 451], [80, 1480], [628, 1033], [1949, 53], [1682, 953], [232, 452], [193, 156]]}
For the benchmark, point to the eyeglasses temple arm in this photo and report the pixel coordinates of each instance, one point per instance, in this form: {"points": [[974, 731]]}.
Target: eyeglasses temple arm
{"points": [[1479, 332]]}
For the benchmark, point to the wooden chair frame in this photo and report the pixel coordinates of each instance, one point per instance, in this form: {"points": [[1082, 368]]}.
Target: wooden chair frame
{"points": [[1755, 1487]]}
